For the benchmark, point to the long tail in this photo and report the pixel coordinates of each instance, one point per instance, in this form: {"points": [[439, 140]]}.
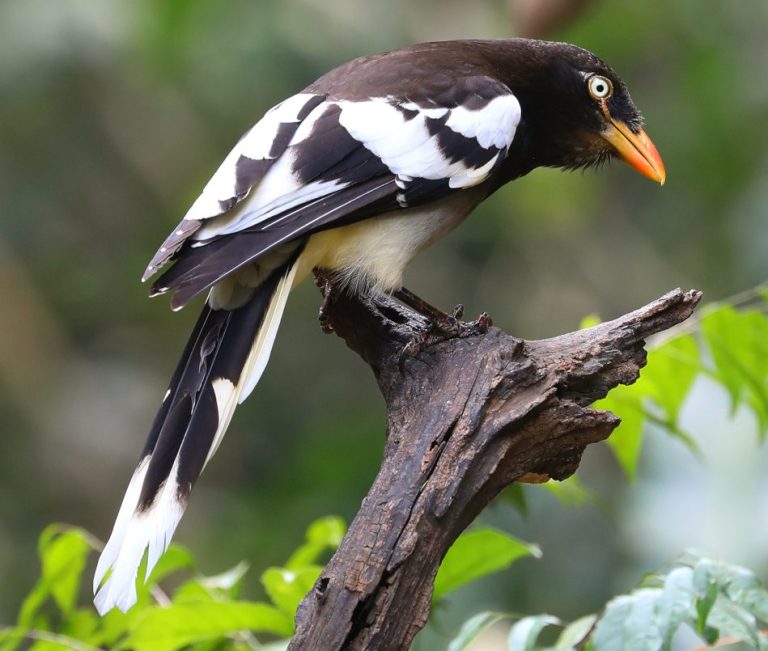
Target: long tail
{"points": [[222, 362]]}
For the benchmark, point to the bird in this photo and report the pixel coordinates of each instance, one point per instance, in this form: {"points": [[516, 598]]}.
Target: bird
{"points": [[354, 175]]}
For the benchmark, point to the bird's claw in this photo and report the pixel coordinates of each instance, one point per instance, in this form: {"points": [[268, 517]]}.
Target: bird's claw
{"points": [[327, 290], [414, 347], [444, 329], [482, 323], [325, 321]]}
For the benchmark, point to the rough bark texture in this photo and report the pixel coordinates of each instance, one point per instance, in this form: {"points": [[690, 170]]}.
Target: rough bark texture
{"points": [[467, 416]]}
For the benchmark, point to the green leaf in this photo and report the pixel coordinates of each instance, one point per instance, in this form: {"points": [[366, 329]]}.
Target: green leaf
{"points": [[327, 531], [514, 494], [629, 623], [48, 641], [281, 645], [732, 621], [226, 584], [172, 627], [738, 342], [626, 441], [730, 598], [174, 559], [322, 535], [192, 591], [704, 604], [54, 645], [82, 624], [525, 632], [10, 638], [574, 633], [669, 374], [570, 492], [221, 587], [114, 626], [658, 396], [63, 564], [63, 553], [744, 589], [590, 321], [715, 599], [477, 553], [473, 627], [286, 588], [722, 329], [736, 583], [676, 602]]}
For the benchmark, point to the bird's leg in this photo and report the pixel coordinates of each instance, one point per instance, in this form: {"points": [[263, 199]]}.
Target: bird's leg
{"points": [[442, 326], [448, 325], [445, 324], [328, 290]]}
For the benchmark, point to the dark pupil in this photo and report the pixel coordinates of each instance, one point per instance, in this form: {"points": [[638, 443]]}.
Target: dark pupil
{"points": [[600, 89]]}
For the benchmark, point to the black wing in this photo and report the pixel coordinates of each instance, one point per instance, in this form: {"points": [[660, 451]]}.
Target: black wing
{"points": [[314, 163]]}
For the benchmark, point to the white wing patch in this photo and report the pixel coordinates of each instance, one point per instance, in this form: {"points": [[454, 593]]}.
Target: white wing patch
{"points": [[279, 190], [407, 147], [472, 176], [263, 178], [254, 211], [255, 144], [492, 126], [404, 144]]}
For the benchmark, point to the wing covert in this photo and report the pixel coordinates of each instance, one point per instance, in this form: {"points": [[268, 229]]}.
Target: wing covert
{"points": [[299, 170]]}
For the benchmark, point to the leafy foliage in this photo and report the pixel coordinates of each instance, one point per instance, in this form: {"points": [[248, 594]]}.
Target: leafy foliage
{"points": [[477, 553], [726, 344], [714, 600], [206, 613], [718, 602], [201, 613]]}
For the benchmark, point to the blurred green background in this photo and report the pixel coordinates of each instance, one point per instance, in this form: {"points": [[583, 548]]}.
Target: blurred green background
{"points": [[113, 114]]}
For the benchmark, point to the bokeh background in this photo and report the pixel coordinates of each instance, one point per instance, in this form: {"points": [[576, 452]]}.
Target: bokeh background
{"points": [[114, 113]]}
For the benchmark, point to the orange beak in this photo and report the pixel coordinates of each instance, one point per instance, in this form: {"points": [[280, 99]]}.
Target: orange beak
{"points": [[636, 149]]}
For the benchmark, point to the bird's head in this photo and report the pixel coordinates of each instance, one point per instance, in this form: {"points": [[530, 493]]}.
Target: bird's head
{"points": [[576, 111]]}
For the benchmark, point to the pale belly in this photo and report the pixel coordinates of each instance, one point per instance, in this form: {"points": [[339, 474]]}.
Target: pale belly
{"points": [[373, 253]]}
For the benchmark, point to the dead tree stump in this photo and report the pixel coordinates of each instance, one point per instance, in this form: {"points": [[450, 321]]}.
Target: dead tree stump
{"points": [[466, 417]]}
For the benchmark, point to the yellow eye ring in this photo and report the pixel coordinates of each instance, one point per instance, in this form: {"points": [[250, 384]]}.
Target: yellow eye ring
{"points": [[599, 87]]}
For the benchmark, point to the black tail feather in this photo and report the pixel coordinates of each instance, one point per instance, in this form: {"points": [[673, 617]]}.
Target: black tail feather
{"points": [[187, 421]]}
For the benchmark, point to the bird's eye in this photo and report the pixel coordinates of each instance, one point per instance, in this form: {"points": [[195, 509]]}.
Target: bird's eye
{"points": [[599, 87]]}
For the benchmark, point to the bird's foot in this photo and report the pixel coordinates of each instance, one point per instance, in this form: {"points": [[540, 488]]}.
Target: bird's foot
{"points": [[328, 290], [482, 323], [441, 326], [469, 328]]}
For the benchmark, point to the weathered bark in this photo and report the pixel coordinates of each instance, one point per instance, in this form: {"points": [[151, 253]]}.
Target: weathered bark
{"points": [[466, 417]]}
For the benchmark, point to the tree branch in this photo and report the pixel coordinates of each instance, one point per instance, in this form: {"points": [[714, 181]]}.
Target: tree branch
{"points": [[466, 417]]}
